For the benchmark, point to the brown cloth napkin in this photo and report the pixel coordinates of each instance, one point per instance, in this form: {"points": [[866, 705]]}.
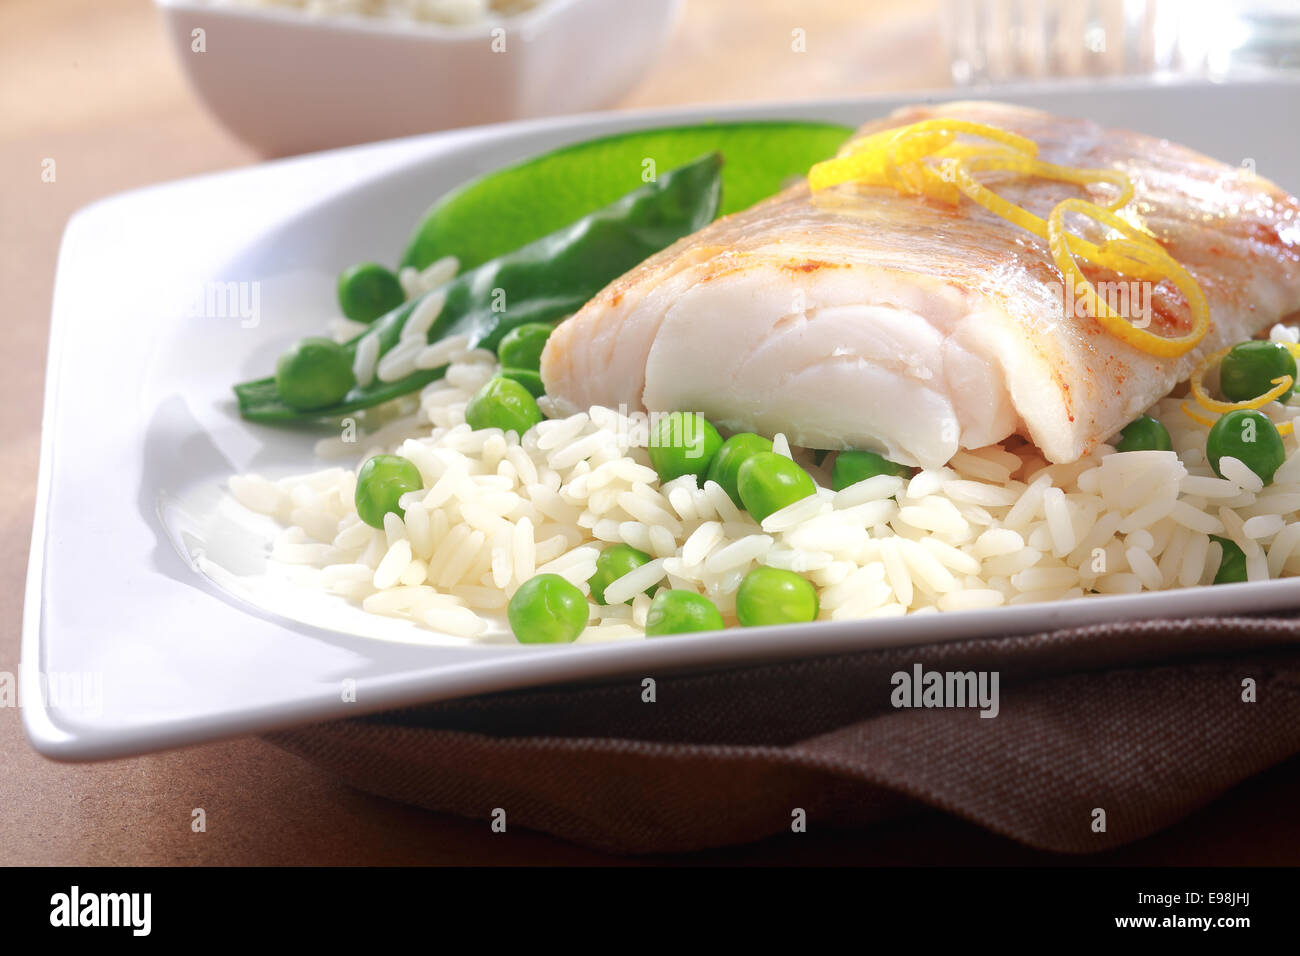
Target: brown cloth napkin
{"points": [[1143, 720]]}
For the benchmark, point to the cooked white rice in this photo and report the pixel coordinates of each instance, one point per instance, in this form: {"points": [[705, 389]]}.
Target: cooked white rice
{"points": [[996, 526]]}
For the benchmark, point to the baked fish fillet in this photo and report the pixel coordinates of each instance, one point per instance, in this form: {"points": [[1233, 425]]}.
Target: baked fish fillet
{"points": [[857, 317]]}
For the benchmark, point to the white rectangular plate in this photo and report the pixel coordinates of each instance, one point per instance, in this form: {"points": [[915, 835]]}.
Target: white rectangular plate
{"points": [[140, 434]]}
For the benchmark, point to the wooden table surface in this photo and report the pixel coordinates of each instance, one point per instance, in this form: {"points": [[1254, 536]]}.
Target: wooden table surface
{"points": [[91, 84]]}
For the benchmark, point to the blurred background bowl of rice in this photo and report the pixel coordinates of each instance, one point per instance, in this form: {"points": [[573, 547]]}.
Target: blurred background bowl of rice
{"points": [[290, 76]]}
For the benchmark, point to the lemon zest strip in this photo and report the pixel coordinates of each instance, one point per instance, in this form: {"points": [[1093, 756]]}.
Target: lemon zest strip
{"points": [[1113, 322], [1282, 384]]}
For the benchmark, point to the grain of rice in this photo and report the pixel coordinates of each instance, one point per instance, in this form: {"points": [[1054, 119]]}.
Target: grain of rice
{"points": [[335, 573], [1013, 562], [739, 553], [1234, 529], [1195, 519], [421, 319], [457, 621], [1121, 582], [721, 502], [794, 514], [1059, 525], [976, 492], [934, 514], [801, 562], [953, 558], [1238, 471], [365, 360], [1257, 566], [896, 573], [415, 573], [1193, 561], [1206, 487], [781, 446], [640, 609], [1263, 526], [863, 603], [638, 579], [876, 488], [977, 466], [925, 568], [1145, 568], [662, 543], [928, 482], [971, 599], [998, 541], [255, 493], [1147, 515], [1038, 579], [479, 598], [394, 563], [1028, 505]]}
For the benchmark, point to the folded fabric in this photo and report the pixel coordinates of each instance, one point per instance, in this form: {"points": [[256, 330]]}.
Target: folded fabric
{"points": [[1102, 735]]}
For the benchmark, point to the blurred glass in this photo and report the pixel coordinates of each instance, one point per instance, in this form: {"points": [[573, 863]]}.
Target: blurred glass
{"points": [[990, 41]]}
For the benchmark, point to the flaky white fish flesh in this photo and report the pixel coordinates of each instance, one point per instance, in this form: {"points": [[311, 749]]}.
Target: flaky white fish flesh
{"points": [[858, 317]]}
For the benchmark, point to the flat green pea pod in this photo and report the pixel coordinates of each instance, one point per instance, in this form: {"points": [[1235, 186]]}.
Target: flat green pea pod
{"points": [[725, 467], [522, 345], [540, 282], [547, 609], [852, 467]]}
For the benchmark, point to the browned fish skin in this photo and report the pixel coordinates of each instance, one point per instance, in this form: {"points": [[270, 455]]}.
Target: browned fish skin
{"points": [[1013, 359]]}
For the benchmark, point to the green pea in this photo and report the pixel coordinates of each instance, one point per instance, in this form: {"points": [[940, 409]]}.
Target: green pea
{"points": [[853, 466], [527, 378], [681, 612], [314, 373], [368, 291], [1233, 566], [682, 443], [1248, 370], [380, 483], [774, 596], [725, 467], [1249, 436], [547, 609], [1144, 433], [614, 562], [522, 346], [503, 403], [768, 482]]}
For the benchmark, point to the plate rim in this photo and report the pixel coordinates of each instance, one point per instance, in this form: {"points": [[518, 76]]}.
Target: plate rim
{"points": [[573, 663]]}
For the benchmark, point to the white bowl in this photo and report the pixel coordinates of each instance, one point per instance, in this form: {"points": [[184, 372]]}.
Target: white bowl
{"points": [[288, 82]]}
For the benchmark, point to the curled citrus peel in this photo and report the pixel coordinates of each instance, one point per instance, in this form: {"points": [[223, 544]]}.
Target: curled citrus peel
{"points": [[898, 158], [1283, 428], [1196, 382], [1153, 255]]}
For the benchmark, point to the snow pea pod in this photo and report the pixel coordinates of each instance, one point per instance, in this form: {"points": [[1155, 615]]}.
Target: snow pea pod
{"points": [[540, 282]]}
